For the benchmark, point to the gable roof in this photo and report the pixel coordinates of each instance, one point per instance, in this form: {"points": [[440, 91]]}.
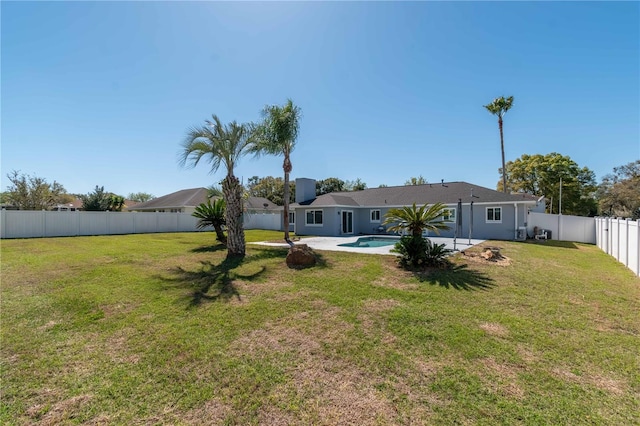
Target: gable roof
{"points": [[184, 198], [395, 196], [194, 197]]}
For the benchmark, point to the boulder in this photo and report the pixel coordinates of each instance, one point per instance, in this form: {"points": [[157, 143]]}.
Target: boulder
{"points": [[301, 256]]}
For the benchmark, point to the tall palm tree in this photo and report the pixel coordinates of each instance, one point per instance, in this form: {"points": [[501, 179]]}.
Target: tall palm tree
{"points": [[277, 135], [222, 145], [415, 219], [499, 107]]}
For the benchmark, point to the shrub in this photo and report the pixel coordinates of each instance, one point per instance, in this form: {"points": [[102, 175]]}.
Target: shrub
{"points": [[416, 251]]}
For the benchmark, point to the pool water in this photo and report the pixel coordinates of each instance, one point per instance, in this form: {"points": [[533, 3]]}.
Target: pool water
{"points": [[372, 242]]}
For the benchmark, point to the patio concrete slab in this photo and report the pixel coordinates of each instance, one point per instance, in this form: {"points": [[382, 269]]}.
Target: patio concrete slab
{"points": [[333, 244]]}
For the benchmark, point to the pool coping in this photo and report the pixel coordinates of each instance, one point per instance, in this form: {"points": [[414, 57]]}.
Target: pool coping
{"points": [[332, 244]]}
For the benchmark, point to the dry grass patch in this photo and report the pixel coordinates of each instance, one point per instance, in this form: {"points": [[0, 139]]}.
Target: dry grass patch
{"points": [[600, 381], [502, 378], [62, 411], [212, 412], [494, 329]]}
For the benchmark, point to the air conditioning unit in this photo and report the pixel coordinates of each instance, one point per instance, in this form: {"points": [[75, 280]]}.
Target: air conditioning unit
{"points": [[522, 233]]}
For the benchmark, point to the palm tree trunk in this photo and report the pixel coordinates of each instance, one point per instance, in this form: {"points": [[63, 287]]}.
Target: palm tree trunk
{"points": [[287, 169], [233, 214], [220, 234], [504, 171]]}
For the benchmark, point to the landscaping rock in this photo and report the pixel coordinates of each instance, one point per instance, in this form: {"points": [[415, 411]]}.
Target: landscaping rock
{"points": [[301, 256]]}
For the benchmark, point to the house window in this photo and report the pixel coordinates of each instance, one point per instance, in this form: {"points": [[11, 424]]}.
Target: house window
{"points": [[494, 214], [292, 217], [449, 215], [375, 216], [313, 218]]}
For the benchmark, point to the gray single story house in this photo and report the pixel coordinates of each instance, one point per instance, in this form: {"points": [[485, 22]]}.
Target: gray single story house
{"points": [[487, 213]]}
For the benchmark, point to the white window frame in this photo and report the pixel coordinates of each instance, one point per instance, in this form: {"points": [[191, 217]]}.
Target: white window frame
{"points": [[292, 217], [493, 209], [371, 212], [306, 217], [452, 217]]}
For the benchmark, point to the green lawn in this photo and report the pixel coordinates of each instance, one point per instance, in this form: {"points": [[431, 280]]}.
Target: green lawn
{"points": [[161, 329]]}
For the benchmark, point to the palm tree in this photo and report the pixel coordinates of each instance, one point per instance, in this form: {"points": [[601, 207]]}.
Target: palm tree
{"points": [[212, 214], [222, 145], [277, 135], [415, 219], [499, 107]]}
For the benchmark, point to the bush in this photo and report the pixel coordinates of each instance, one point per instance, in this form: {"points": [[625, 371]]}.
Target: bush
{"points": [[416, 251]]}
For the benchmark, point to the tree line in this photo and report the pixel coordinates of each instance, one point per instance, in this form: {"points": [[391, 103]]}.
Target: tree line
{"points": [[28, 192]]}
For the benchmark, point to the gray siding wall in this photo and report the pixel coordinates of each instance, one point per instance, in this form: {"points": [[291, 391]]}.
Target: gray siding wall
{"points": [[503, 230], [330, 226]]}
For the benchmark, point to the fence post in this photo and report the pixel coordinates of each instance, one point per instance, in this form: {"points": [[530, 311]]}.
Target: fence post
{"points": [[626, 252], [3, 223], [638, 248]]}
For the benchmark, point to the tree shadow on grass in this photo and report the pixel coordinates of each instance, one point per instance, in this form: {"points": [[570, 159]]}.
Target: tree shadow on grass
{"points": [[209, 249], [215, 282], [554, 243], [212, 282], [459, 277]]}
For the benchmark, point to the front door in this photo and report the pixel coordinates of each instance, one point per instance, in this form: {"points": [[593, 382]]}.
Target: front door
{"points": [[347, 222]]}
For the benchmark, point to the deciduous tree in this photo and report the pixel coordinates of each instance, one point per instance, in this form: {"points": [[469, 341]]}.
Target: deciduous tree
{"points": [[101, 200], [140, 197], [416, 181], [356, 185], [541, 174], [271, 188], [619, 193], [325, 186], [33, 193]]}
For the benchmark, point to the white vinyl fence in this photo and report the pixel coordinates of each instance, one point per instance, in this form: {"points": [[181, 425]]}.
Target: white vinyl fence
{"points": [[563, 227], [33, 224], [620, 238], [263, 221]]}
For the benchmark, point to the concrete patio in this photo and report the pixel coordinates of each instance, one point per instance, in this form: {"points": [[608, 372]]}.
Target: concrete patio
{"points": [[333, 244]]}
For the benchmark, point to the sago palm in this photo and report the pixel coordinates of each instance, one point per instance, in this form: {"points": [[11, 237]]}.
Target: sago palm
{"points": [[222, 145], [499, 107], [212, 214], [416, 219], [277, 135]]}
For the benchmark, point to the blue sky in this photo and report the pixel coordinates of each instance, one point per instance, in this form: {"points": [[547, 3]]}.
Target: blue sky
{"points": [[103, 93]]}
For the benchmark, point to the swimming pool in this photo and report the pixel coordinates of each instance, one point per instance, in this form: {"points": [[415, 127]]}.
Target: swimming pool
{"points": [[372, 242]]}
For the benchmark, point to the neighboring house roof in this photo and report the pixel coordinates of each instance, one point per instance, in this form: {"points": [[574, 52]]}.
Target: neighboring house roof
{"points": [[194, 197], [260, 203], [179, 199], [394, 196]]}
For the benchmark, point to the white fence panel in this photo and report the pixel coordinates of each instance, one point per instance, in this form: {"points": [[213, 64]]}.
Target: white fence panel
{"points": [[121, 223], [563, 227], [145, 223], [60, 224], [32, 224], [93, 223], [263, 221], [29, 224], [620, 238], [167, 222]]}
